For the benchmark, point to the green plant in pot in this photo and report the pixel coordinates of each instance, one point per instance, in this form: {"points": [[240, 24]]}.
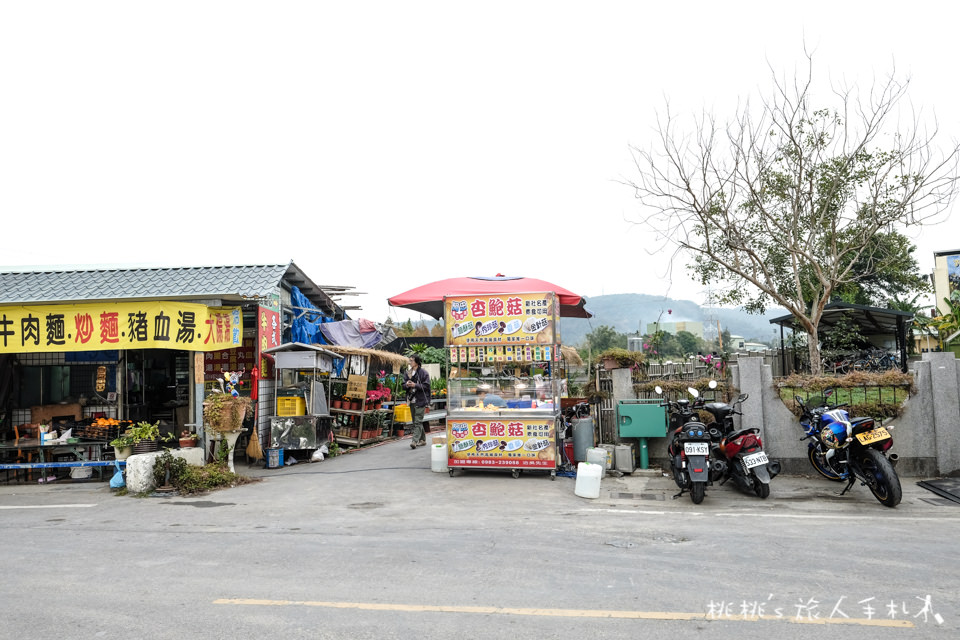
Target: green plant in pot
{"points": [[373, 423], [146, 436], [123, 445]]}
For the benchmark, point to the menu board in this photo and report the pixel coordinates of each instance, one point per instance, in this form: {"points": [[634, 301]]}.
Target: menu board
{"points": [[492, 443], [508, 319], [242, 358]]}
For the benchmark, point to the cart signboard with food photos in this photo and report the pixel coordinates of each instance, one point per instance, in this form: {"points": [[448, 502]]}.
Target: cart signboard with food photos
{"points": [[502, 396]]}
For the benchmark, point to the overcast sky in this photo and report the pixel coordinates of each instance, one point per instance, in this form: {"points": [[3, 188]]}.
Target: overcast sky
{"points": [[385, 145]]}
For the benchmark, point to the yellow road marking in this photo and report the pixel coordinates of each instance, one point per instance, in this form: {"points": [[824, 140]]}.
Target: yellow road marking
{"points": [[556, 613]]}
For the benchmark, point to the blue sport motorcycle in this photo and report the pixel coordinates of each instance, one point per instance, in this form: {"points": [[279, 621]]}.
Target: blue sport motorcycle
{"points": [[843, 448]]}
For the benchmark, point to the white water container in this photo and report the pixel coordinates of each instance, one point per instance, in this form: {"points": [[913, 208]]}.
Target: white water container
{"points": [[438, 458], [597, 455], [588, 480]]}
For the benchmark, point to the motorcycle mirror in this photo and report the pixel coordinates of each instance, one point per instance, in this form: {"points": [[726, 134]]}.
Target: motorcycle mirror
{"points": [[693, 392], [659, 390], [713, 384]]}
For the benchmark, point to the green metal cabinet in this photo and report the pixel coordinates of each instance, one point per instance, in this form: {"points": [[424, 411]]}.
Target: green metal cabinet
{"points": [[642, 419]]}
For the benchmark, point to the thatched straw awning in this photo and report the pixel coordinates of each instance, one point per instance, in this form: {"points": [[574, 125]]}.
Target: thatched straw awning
{"points": [[378, 357], [571, 356]]}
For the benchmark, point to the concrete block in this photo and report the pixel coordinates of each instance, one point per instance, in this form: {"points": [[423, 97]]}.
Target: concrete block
{"points": [[140, 467], [622, 385], [946, 409]]}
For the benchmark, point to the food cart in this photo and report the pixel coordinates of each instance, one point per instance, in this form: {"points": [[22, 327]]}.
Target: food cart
{"points": [[301, 419], [506, 345]]}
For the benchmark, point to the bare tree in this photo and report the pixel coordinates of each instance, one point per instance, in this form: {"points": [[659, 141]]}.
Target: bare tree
{"points": [[786, 203]]}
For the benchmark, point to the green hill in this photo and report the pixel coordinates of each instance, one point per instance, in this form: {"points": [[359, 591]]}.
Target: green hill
{"points": [[631, 312]]}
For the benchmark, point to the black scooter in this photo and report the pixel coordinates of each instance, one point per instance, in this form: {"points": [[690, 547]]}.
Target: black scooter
{"points": [[689, 448]]}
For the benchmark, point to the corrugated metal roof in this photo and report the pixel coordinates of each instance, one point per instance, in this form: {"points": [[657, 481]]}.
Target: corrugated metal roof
{"points": [[83, 285]]}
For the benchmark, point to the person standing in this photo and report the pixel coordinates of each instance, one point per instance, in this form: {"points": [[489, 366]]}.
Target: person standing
{"points": [[417, 383]]}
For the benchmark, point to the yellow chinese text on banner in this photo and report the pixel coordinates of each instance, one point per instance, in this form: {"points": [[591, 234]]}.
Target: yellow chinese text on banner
{"points": [[124, 325], [503, 319]]}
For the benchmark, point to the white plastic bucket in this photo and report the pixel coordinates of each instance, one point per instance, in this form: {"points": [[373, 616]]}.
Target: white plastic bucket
{"points": [[438, 458], [588, 480], [597, 455]]}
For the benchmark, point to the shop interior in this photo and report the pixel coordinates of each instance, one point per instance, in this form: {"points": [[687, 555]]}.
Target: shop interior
{"points": [[157, 386]]}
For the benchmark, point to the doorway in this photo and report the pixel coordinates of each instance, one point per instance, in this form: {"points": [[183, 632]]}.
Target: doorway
{"points": [[157, 386]]}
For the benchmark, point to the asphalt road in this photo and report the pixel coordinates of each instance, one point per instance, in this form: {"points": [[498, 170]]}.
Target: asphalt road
{"points": [[375, 545]]}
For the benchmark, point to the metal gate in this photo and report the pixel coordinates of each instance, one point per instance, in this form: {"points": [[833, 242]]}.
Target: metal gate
{"points": [[607, 420]]}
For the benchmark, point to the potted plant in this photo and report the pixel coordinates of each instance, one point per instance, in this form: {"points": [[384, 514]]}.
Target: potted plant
{"points": [[145, 436], [372, 424], [376, 397], [617, 358], [123, 445], [224, 413], [188, 439]]}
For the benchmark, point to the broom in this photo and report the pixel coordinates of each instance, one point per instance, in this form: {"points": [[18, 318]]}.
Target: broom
{"points": [[253, 447]]}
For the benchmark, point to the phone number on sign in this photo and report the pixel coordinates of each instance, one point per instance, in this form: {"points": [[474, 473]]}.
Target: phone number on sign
{"points": [[487, 462]]}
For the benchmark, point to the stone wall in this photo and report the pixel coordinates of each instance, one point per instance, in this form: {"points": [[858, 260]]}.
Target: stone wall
{"points": [[926, 437]]}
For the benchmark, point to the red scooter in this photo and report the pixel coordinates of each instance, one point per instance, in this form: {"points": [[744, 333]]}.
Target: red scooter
{"points": [[742, 451]]}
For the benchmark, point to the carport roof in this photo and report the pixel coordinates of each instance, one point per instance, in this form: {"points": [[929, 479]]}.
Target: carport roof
{"points": [[871, 320]]}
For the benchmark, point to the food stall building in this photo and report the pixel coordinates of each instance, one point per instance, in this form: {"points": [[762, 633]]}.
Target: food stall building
{"points": [[145, 343]]}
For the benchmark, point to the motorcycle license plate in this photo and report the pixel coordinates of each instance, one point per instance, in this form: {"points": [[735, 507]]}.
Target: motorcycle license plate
{"points": [[696, 448], [755, 459], [875, 435]]}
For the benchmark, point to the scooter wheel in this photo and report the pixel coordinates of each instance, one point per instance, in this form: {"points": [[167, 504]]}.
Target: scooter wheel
{"points": [[762, 489], [697, 491]]}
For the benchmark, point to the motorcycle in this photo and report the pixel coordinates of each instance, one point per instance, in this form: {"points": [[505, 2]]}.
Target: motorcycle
{"points": [[742, 450], [843, 448], [689, 447]]}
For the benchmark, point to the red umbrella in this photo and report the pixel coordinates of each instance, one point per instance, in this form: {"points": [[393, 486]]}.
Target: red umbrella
{"points": [[428, 298]]}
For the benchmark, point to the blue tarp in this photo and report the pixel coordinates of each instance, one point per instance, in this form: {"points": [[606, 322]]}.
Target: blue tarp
{"points": [[306, 325]]}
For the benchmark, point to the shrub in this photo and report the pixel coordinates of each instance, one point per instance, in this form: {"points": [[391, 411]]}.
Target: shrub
{"points": [[878, 395], [196, 480], [188, 480]]}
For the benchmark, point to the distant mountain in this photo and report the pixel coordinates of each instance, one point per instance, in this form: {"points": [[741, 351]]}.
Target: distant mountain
{"points": [[631, 312]]}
